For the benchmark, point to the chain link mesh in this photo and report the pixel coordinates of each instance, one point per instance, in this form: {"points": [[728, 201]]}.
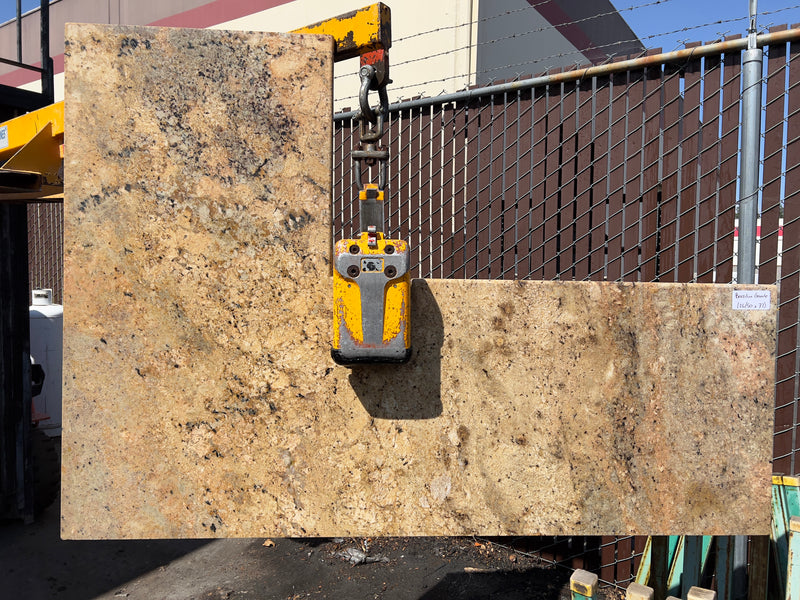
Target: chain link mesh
{"points": [[626, 177]]}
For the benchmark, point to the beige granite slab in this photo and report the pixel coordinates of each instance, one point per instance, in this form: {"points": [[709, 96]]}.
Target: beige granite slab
{"points": [[200, 399]]}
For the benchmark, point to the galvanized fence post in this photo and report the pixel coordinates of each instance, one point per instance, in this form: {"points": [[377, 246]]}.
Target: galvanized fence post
{"points": [[752, 62]]}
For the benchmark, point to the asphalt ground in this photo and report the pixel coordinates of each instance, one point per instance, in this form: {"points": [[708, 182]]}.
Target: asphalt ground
{"points": [[35, 564]]}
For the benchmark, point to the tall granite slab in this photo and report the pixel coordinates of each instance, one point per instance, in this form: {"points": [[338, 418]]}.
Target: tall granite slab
{"points": [[200, 396]]}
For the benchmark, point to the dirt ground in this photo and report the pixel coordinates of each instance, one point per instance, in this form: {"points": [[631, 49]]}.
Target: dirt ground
{"points": [[35, 564]]}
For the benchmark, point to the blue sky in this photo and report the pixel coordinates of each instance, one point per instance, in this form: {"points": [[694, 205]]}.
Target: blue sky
{"points": [[699, 20], [646, 18], [8, 8]]}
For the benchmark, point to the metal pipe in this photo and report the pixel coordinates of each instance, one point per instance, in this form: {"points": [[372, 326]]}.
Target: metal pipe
{"points": [[19, 65], [588, 72], [47, 62], [752, 64], [19, 30]]}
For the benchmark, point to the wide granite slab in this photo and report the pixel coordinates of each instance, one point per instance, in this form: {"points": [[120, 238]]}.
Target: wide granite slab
{"points": [[200, 399]]}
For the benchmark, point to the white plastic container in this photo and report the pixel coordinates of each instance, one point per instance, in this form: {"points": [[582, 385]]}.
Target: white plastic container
{"points": [[47, 335]]}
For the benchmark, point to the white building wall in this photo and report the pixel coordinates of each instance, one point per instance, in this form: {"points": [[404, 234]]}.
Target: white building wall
{"points": [[421, 65], [433, 47]]}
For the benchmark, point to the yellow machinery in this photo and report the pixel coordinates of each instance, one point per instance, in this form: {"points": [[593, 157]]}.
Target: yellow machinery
{"points": [[371, 291], [371, 281], [31, 156]]}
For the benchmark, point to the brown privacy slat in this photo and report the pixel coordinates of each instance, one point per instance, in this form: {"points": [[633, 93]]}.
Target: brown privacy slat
{"points": [[782, 452], [616, 176], [350, 206], [786, 391], [707, 209], [634, 129], [789, 309], [583, 181], [347, 190], [599, 215], [624, 554], [510, 190], [460, 188], [607, 558], [414, 184], [670, 178], [485, 157], [450, 137], [524, 185], [471, 204], [689, 190], [552, 214], [338, 178], [392, 211], [728, 165], [404, 182], [538, 169], [441, 201], [422, 222], [566, 190], [651, 182], [773, 157], [497, 131]]}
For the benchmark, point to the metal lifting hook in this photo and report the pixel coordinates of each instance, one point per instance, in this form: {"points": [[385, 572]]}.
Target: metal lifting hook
{"points": [[371, 127], [368, 75]]}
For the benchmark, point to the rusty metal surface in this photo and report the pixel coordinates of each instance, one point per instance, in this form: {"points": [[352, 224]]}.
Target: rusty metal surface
{"points": [[358, 32]]}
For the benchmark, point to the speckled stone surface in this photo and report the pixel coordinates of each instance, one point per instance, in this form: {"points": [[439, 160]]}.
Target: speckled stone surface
{"points": [[200, 396]]}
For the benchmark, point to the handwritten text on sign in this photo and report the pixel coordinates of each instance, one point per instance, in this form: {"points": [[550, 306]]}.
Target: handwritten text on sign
{"points": [[751, 300]]}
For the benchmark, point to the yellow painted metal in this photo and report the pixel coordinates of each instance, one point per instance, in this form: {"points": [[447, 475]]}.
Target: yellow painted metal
{"points": [[34, 145], [40, 155], [356, 32], [777, 480], [347, 295], [20, 130]]}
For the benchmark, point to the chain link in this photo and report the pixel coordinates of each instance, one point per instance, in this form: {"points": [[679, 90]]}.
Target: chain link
{"points": [[371, 128]]}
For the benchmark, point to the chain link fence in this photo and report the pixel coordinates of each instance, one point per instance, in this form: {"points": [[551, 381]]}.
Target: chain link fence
{"points": [[630, 176]]}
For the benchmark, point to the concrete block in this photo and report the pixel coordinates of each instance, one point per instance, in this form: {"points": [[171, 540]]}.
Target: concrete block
{"points": [[583, 583], [696, 593], [637, 591]]}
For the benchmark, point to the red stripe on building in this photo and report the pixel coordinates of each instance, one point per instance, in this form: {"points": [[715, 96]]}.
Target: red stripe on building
{"points": [[574, 34], [213, 13], [219, 11]]}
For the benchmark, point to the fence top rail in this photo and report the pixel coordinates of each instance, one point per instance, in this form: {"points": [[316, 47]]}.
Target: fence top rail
{"points": [[686, 54]]}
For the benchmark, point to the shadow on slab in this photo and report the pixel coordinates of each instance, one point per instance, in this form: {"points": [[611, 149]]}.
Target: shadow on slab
{"points": [[412, 390]]}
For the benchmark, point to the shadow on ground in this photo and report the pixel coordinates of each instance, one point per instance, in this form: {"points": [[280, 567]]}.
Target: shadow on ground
{"points": [[535, 583], [37, 564]]}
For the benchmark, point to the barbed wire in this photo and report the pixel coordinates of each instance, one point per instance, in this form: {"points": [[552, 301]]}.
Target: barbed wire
{"points": [[514, 35], [533, 61], [561, 55], [526, 8]]}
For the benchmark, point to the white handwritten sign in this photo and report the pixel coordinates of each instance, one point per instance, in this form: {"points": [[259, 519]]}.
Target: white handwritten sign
{"points": [[4, 137], [751, 300]]}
